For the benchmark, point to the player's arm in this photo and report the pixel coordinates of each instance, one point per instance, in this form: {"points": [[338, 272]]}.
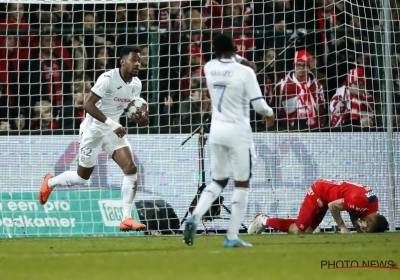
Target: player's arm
{"points": [[253, 91], [335, 207], [354, 221], [245, 62], [97, 92]]}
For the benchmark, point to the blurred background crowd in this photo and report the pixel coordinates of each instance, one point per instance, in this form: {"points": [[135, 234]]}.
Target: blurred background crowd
{"points": [[52, 54]]}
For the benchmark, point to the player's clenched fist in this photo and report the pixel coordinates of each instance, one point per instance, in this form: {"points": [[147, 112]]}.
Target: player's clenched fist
{"points": [[120, 131], [140, 119], [269, 121]]}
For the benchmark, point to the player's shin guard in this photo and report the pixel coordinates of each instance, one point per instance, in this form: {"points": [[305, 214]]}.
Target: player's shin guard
{"points": [[129, 188], [68, 178], [239, 206], [208, 196]]}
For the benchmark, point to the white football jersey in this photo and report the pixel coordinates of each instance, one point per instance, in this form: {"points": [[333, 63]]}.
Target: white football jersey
{"points": [[115, 95], [232, 86]]}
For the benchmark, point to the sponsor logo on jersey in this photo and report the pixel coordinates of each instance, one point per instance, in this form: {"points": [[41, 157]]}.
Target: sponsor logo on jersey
{"points": [[358, 209], [119, 87], [120, 99]]}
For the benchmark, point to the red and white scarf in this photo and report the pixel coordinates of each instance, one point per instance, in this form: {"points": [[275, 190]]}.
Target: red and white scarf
{"points": [[53, 78], [305, 101]]}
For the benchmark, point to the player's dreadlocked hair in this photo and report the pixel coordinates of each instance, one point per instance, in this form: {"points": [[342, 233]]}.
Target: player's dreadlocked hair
{"points": [[223, 44], [127, 50], [380, 224]]}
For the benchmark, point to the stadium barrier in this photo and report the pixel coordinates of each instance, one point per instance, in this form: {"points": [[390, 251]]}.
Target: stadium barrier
{"points": [[286, 165]]}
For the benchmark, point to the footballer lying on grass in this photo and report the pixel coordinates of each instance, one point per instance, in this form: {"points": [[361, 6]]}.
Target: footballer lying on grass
{"points": [[358, 200]]}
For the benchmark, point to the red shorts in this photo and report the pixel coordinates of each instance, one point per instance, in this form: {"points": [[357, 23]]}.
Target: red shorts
{"points": [[312, 211]]}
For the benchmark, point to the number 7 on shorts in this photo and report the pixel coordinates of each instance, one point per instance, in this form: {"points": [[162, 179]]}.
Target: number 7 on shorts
{"points": [[220, 89]]}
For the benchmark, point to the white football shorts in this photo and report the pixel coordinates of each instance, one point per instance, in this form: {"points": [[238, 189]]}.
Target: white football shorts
{"points": [[236, 160], [93, 140]]}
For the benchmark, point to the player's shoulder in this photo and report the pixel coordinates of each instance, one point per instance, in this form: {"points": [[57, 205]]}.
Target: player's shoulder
{"points": [[210, 64], [136, 82], [111, 73], [108, 76]]}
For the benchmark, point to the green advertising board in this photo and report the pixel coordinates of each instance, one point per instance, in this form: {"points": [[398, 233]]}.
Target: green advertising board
{"points": [[67, 213]]}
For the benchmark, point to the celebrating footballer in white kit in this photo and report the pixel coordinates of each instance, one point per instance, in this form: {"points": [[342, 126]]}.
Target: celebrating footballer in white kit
{"points": [[101, 130], [232, 88]]}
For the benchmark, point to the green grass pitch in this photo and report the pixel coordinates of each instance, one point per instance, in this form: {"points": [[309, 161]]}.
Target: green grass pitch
{"points": [[278, 256]]}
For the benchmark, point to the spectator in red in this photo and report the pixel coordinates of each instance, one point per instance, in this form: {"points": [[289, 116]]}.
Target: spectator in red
{"points": [[233, 19], [325, 20], [170, 15], [4, 112], [46, 22], [43, 117], [16, 20], [73, 113], [15, 46], [195, 70], [212, 13], [44, 77], [352, 104], [301, 96]]}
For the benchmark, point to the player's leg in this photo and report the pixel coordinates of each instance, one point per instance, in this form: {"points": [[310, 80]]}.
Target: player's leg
{"points": [[89, 148], [121, 153], [241, 159], [220, 174], [317, 220], [262, 221], [308, 211], [310, 216]]}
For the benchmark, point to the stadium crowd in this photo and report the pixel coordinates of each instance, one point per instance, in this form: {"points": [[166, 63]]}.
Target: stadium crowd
{"points": [[51, 55]]}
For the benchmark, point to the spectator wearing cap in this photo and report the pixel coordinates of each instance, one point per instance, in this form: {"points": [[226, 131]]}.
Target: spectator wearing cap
{"points": [[352, 104], [301, 101]]}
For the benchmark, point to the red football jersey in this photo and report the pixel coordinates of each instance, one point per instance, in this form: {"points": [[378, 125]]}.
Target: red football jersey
{"points": [[357, 199]]}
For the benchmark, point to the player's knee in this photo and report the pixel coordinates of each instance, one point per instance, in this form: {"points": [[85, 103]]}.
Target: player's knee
{"points": [[310, 230], [293, 229], [222, 183], [241, 184], [130, 169]]}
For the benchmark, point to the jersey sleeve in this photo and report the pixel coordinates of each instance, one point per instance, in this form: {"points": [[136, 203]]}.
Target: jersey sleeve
{"points": [[102, 85], [253, 92], [359, 205], [251, 86]]}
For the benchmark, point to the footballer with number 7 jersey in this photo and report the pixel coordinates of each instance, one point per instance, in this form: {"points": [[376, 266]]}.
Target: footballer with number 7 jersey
{"points": [[113, 92], [359, 201], [232, 87]]}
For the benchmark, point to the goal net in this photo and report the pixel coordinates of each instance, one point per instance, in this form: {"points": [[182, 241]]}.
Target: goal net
{"points": [[335, 94]]}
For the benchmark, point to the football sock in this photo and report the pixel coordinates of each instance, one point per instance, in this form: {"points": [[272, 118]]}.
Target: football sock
{"points": [[208, 196], [239, 206], [280, 224], [129, 188], [264, 221], [68, 178]]}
